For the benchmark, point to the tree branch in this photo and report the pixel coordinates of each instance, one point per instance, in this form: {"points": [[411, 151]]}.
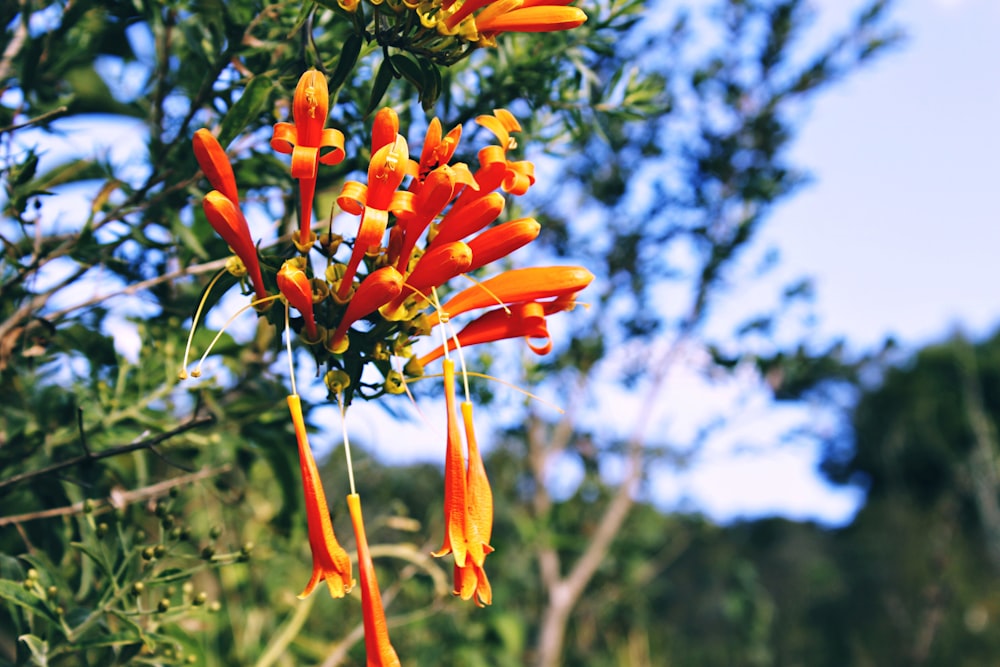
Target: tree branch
{"points": [[147, 443]]}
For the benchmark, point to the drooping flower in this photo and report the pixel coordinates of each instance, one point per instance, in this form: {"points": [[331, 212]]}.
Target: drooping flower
{"points": [[471, 579], [378, 649], [295, 286], [454, 478], [306, 138], [227, 219], [330, 562]]}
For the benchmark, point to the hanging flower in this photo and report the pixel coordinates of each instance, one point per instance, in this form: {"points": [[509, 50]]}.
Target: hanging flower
{"points": [[295, 286], [306, 138], [378, 648], [471, 579], [463, 519], [378, 289], [330, 562], [227, 219]]}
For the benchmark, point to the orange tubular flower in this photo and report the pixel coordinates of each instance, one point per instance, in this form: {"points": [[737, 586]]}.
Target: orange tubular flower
{"points": [[455, 506], [227, 219], [215, 163], [296, 287], [517, 286], [519, 320], [471, 579], [433, 196], [330, 562], [373, 202], [468, 218], [437, 151], [500, 241], [305, 139], [379, 288], [545, 16], [378, 648], [434, 268]]}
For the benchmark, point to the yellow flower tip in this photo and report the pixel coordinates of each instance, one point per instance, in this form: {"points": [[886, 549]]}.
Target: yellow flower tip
{"points": [[296, 288], [471, 583], [310, 241]]}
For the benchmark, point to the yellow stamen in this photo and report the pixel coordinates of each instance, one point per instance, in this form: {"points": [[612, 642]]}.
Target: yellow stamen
{"points": [[194, 323], [253, 304]]}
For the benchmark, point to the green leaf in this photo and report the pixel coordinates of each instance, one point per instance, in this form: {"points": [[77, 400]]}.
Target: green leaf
{"points": [[348, 59], [381, 84], [409, 70], [16, 593], [431, 91], [94, 556], [246, 108], [39, 649]]}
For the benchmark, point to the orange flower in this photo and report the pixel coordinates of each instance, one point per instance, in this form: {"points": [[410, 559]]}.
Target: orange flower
{"points": [[471, 579], [227, 219], [518, 286], [507, 16], [296, 287], [468, 218], [330, 561], [378, 289], [437, 150], [213, 161], [434, 268], [374, 201], [500, 241], [305, 139], [378, 648], [468, 503], [521, 319], [528, 16], [454, 478]]}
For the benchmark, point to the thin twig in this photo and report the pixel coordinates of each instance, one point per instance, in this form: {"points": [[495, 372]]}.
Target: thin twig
{"points": [[106, 505], [147, 443]]}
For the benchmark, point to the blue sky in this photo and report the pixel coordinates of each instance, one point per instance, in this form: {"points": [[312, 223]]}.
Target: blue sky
{"points": [[900, 230]]}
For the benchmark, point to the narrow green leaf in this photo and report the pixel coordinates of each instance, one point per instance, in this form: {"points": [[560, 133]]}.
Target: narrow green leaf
{"points": [[381, 84], [348, 59], [409, 70], [246, 108], [38, 647], [15, 592]]}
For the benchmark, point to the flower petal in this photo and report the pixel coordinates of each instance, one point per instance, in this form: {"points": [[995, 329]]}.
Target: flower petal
{"points": [[330, 561], [378, 648]]}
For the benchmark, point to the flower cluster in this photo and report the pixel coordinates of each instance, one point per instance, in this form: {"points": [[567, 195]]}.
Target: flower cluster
{"points": [[424, 223], [448, 30]]}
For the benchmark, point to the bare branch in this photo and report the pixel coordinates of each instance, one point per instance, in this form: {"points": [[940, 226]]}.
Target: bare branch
{"points": [[126, 498], [147, 443]]}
